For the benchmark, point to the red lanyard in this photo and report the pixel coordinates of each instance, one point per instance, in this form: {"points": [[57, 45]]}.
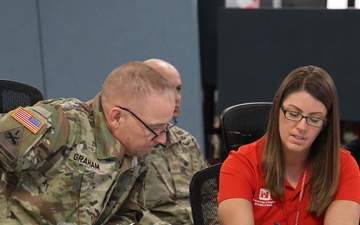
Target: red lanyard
{"points": [[300, 199]]}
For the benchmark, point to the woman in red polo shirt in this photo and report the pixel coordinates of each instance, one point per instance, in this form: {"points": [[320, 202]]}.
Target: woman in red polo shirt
{"points": [[297, 173]]}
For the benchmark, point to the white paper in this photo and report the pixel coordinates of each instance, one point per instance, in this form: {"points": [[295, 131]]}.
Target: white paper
{"points": [[337, 4]]}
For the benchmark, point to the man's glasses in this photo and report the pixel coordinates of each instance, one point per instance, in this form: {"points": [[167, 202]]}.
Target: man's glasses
{"points": [[156, 135], [297, 117]]}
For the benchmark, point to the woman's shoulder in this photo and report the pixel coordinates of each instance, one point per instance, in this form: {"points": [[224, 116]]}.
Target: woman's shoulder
{"points": [[345, 154], [253, 147], [252, 150], [347, 159]]}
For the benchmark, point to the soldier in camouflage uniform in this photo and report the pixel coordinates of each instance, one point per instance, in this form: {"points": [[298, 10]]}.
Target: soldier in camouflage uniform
{"points": [[171, 166], [71, 162]]}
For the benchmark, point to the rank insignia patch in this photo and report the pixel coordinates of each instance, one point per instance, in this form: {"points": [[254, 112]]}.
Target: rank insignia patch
{"points": [[10, 142], [27, 119]]}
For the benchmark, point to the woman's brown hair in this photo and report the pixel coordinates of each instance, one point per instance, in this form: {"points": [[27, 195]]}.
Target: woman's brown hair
{"points": [[324, 156]]}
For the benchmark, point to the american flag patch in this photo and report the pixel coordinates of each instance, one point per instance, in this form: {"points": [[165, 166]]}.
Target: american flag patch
{"points": [[26, 118]]}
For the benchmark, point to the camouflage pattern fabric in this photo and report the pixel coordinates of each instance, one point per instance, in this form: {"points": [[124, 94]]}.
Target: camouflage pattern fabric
{"points": [[61, 165], [171, 168]]}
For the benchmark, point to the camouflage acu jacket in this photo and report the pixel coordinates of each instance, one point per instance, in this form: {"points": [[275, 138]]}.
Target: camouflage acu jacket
{"points": [[61, 165], [171, 168]]}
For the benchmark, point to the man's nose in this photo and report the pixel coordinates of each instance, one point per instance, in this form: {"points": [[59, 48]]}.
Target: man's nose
{"points": [[161, 139]]}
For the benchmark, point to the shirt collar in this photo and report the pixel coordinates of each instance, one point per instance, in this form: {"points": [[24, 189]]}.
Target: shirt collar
{"points": [[107, 145], [173, 136]]}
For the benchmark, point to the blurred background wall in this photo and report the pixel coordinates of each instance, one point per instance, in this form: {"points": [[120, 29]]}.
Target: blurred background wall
{"points": [[225, 55], [67, 48]]}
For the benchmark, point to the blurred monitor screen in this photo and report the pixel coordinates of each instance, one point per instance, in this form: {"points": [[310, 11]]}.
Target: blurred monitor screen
{"points": [[295, 3]]}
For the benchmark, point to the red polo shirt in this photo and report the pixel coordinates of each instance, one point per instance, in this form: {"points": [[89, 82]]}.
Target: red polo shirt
{"points": [[241, 176]]}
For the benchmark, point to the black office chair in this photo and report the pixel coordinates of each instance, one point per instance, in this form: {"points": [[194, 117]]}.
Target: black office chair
{"points": [[244, 123], [14, 94], [241, 124], [203, 195]]}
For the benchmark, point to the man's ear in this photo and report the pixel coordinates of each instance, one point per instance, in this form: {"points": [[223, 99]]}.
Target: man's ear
{"points": [[114, 117]]}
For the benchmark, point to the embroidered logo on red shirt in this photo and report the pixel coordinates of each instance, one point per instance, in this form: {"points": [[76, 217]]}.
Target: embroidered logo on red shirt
{"points": [[265, 199], [264, 194]]}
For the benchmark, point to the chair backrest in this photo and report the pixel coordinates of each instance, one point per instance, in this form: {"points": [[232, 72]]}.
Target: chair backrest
{"points": [[203, 195], [240, 124], [244, 123], [14, 94]]}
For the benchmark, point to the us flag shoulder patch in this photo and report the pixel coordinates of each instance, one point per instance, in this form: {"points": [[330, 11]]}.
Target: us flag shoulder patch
{"points": [[27, 119]]}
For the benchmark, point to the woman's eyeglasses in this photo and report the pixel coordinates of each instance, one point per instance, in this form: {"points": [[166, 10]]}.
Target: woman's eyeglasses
{"points": [[297, 117]]}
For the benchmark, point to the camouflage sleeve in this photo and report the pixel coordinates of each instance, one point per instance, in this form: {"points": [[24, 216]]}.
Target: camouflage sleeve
{"points": [[29, 135], [150, 219], [131, 212]]}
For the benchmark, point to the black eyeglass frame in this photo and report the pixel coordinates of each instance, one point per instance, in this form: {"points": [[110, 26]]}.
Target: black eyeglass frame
{"points": [[156, 135], [302, 116]]}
